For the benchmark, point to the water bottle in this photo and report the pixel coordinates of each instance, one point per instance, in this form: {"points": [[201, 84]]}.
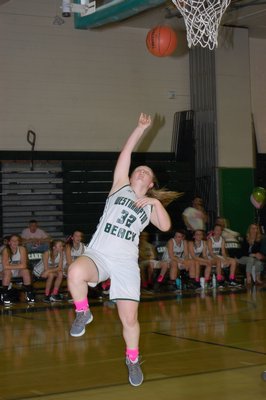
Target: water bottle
{"points": [[178, 283], [214, 281], [202, 283]]}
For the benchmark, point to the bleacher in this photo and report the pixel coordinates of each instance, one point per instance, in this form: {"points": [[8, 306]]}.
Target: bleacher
{"points": [[31, 194]]}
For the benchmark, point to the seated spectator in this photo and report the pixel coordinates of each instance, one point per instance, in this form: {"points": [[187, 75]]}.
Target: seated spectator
{"points": [[177, 257], [232, 238], [35, 239], [198, 250], [263, 251], [14, 260], [51, 269], [147, 260], [73, 249], [218, 254], [253, 255], [2, 246], [195, 217]]}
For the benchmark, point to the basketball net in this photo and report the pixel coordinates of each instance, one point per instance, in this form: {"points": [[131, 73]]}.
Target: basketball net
{"points": [[202, 19]]}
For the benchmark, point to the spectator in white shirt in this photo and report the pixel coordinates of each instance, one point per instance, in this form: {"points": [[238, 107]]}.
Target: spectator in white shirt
{"points": [[34, 238], [195, 217]]}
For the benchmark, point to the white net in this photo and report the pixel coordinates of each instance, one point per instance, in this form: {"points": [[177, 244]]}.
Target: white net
{"points": [[202, 19]]}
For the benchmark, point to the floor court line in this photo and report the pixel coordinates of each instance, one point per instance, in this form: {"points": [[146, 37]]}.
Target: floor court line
{"points": [[211, 343], [147, 380]]}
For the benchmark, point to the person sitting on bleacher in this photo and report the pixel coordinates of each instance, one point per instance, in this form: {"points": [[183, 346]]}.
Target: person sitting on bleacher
{"points": [[14, 261], [198, 251], [51, 269], [147, 260], [73, 249], [35, 239], [177, 256], [218, 254], [232, 238], [195, 217], [253, 255], [2, 246]]}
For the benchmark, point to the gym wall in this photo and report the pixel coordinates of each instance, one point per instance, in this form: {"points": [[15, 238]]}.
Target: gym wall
{"points": [[83, 90]]}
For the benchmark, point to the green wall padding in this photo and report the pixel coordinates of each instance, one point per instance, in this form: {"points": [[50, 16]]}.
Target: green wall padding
{"points": [[235, 188]]}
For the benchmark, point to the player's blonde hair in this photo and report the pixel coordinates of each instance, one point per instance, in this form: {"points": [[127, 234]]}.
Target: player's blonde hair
{"points": [[163, 194]]}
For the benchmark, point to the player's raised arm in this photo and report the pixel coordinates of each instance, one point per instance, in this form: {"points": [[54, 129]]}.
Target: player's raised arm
{"points": [[121, 171]]}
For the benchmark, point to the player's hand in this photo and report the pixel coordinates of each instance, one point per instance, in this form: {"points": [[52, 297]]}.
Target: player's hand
{"points": [[144, 121]]}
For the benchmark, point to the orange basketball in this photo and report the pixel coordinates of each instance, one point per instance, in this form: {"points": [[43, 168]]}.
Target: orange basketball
{"points": [[161, 41]]}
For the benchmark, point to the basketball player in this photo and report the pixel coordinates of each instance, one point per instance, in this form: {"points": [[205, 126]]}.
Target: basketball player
{"points": [[50, 267], [176, 255], [198, 251], [217, 251], [14, 260], [74, 248], [113, 251]]}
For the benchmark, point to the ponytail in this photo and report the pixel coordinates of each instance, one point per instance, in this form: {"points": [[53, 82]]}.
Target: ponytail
{"points": [[164, 195]]}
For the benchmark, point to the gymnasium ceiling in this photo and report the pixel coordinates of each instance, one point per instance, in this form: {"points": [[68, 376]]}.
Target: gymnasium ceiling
{"points": [[250, 14]]}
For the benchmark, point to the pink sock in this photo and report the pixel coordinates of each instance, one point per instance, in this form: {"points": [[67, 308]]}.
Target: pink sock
{"points": [[232, 277], [82, 305], [160, 278], [219, 277], [132, 354], [55, 291], [47, 293], [197, 279]]}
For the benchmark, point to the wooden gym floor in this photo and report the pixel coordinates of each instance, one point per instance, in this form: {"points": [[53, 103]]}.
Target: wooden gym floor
{"points": [[201, 346]]}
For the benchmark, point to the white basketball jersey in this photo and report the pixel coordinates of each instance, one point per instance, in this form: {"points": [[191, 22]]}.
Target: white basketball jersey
{"points": [[178, 250], [15, 258], [55, 262], [217, 246], [117, 233], [39, 268], [198, 250], [75, 253]]}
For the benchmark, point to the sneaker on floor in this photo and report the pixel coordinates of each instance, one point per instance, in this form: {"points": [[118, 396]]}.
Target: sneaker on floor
{"points": [[55, 297], [6, 299], [157, 287], [233, 283], [135, 375], [171, 286], [30, 298], [82, 319], [220, 284], [197, 286], [69, 299], [199, 289], [46, 299]]}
